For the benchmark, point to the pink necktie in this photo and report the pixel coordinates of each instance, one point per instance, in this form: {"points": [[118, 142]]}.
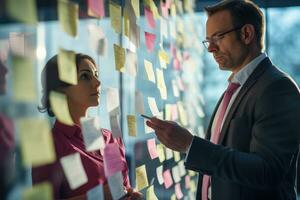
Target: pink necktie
{"points": [[232, 87]]}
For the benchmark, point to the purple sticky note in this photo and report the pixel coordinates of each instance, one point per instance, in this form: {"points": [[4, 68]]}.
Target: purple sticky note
{"points": [[168, 178], [96, 7], [149, 17], [152, 148], [112, 159], [150, 41]]}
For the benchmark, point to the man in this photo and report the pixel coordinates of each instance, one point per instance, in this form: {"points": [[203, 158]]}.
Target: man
{"points": [[252, 143]]}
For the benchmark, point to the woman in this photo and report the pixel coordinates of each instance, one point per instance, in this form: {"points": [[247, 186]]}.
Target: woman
{"points": [[68, 139]]}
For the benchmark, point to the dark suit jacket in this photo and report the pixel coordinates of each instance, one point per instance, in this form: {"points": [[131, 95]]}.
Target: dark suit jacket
{"points": [[258, 149]]}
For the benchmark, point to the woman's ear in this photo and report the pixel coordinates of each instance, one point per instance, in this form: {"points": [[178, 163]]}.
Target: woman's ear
{"points": [[248, 33]]}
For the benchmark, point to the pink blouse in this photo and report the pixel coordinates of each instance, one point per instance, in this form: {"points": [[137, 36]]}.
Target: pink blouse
{"points": [[69, 140]]}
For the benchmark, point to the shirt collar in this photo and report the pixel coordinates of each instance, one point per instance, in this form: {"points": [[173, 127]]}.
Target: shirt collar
{"points": [[67, 130], [242, 75]]}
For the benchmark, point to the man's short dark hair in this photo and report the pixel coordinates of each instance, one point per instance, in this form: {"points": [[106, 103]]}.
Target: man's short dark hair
{"points": [[242, 12]]}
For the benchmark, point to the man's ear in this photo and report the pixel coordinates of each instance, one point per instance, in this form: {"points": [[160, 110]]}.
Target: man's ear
{"points": [[248, 33]]}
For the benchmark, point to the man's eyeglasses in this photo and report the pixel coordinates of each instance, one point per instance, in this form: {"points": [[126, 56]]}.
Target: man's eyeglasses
{"points": [[218, 37]]}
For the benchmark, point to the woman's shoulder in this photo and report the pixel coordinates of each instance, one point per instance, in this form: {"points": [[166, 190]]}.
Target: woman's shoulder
{"points": [[109, 138]]}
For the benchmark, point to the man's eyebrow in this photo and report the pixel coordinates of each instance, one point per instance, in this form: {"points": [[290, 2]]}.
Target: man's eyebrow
{"points": [[214, 34]]}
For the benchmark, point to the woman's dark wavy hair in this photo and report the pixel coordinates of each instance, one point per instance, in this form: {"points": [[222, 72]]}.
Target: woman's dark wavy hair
{"points": [[51, 82]]}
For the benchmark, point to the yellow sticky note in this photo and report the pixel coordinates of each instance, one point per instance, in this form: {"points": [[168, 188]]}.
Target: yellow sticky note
{"points": [[173, 197], [153, 106], [154, 10], [163, 56], [126, 23], [59, 105], [191, 173], [136, 7], [176, 156], [24, 11], [149, 70], [36, 141], [131, 122], [160, 152], [168, 109], [141, 177], [68, 16], [161, 83], [23, 79], [38, 191], [119, 58], [115, 16], [173, 10], [67, 70], [150, 195], [182, 113], [193, 186]]}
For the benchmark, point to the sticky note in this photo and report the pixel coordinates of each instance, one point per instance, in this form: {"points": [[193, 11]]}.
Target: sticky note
{"points": [[59, 105], [187, 181], [112, 100], [175, 88], [153, 107], [182, 170], [149, 17], [175, 173], [167, 111], [96, 8], [159, 174], [115, 16], [150, 195], [97, 40], [167, 179], [68, 16], [119, 58], [74, 171], [131, 123], [139, 103], [169, 153], [164, 28], [135, 34], [38, 191], [93, 139], [164, 10], [163, 56], [36, 141], [150, 41], [178, 191], [96, 193], [112, 159], [24, 85], [182, 113], [115, 126], [152, 148], [191, 173], [131, 63], [193, 186], [23, 11], [149, 70], [174, 112], [161, 152], [147, 128], [136, 7], [67, 70], [116, 187], [141, 177], [161, 83], [176, 156]]}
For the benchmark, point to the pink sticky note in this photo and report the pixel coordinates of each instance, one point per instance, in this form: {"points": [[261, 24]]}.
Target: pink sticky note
{"points": [[112, 159], [168, 178], [168, 3], [152, 148], [150, 41], [178, 191], [96, 7], [187, 182], [174, 112], [149, 17], [176, 64], [164, 10], [173, 50]]}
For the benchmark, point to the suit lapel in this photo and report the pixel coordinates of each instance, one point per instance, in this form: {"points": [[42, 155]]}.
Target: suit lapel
{"points": [[248, 84]]}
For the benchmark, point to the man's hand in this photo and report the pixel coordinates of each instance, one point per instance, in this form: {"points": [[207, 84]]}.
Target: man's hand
{"points": [[171, 134]]}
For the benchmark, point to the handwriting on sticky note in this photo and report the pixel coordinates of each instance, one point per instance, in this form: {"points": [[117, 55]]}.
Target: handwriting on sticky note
{"points": [[119, 58], [141, 177], [131, 122]]}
